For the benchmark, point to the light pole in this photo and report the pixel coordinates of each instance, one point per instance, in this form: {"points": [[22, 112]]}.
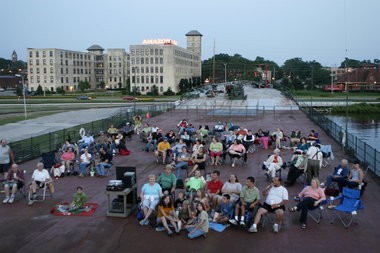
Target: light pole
{"points": [[23, 94], [225, 72]]}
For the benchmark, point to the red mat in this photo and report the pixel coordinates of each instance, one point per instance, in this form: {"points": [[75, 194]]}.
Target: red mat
{"points": [[87, 210]]}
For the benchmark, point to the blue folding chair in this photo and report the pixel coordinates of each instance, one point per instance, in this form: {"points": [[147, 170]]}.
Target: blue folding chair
{"points": [[348, 207]]}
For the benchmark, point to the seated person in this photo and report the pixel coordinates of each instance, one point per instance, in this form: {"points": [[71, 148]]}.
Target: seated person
{"points": [[201, 227], [216, 150], [273, 163], [303, 145], [127, 130], [218, 128], [40, 176], [276, 198], [123, 150], [112, 131], [202, 132], [233, 188], [311, 197], [297, 167], [214, 188], [85, 160], [102, 141], [167, 180], [241, 133], [153, 139], [186, 138], [86, 141], [105, 162], [248, 139], [200, 196], [150, 196], [166, 214], [182, 125], [171, 136], [313, 137], [68, 158], [190, 129], [196, 182], [182, 162], [249, 198], [199, 160], [263, 137], [145, 132], [295, 138], [79, 200], [163, 149], [340, 175], [230, 138], [177, 148], [236, 151], [225, 211], [355, 177], [67, 145], [14, 180]]}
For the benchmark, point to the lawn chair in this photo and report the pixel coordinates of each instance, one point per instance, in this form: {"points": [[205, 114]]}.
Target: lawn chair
{"points": [[348, 207]]}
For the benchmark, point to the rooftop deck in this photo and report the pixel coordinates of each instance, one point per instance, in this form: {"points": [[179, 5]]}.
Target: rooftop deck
{"points": [[34, 229]]}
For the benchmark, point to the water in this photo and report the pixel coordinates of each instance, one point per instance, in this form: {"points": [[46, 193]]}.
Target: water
{"points": [[366, 127]]}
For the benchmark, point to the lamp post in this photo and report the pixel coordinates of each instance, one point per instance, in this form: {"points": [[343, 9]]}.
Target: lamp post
{"points": [[23, 94], [225, 72], [135, 81]]}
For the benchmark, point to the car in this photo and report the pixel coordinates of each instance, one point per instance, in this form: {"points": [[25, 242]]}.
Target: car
{"points": [[129, 98], [83, 97]]}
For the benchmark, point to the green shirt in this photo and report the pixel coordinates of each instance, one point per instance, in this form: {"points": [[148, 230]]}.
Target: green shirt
{"points": [[79, 199], [167, 181], [249, 195], [195, 183]]}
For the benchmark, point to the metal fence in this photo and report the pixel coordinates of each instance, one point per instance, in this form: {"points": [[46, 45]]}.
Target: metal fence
{"points": [[33, 147], [353, 145]]}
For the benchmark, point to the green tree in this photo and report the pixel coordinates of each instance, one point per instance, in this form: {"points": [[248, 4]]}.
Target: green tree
{"points": [[184, 86], [169, 92], [60, 90], [83, 85], [39, 90]]}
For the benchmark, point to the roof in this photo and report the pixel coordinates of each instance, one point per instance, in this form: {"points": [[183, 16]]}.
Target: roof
{"points": [[95, 48], [194, 33]]}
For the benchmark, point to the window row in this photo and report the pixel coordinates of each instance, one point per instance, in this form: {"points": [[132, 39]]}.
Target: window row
{"points": [[151, 51], [147, 79], [147, 60], [146, 69]]}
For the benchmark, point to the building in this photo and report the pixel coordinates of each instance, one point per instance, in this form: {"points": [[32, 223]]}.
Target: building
{"points": [[162, 63], [54, 68]]}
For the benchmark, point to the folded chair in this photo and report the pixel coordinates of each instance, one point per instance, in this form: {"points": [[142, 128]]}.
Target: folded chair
{"points": [[348, 207]]}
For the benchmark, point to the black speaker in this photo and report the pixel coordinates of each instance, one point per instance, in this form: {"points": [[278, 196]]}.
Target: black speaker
{"points": [[127, 175]]}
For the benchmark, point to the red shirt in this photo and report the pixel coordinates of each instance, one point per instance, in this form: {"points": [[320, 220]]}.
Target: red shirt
{"points": [[214, 186]]}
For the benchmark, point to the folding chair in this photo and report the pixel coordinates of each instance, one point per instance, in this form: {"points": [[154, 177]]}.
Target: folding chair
{"points": [[348, 207], [41, 193], [315, 213]]}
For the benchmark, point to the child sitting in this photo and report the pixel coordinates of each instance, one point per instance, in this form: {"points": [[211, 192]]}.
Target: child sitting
{"points": [[226, 210], [79, 200]]}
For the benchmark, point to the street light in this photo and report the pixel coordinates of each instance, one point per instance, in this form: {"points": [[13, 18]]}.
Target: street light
{"points": [[23, 93]]}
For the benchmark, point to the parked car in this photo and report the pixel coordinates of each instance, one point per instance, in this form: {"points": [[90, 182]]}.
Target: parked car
{"points": [[129, 98], [83, 97]]}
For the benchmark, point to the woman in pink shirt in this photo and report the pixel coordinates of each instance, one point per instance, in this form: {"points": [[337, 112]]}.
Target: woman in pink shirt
{"points": [[311, 196], [68, 158], [237, 150]]}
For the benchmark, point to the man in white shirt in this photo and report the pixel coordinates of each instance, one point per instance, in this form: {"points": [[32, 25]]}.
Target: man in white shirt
{"points": [[86, 141], [40, 176], [276, 198], [314, 162]]}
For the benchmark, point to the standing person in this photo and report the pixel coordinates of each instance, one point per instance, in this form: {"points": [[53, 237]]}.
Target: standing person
{"points": [[201, 226], [137, 122], [6, 157], [14, 180], [276, 198], [311, 196], [314, 162]]}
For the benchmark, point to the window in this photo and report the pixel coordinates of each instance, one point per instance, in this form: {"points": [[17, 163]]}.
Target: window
{"points": [[67, 80], [44, 70], [156, 69], [38, 70], [37, 62], [32, 79], [132, 52], [142, 79], [146, 51], [44, 61], [67, 70], [161, 52], [37, 54], [147, 69], [62, 79], [38, 79], [161, 60], [51, 53], [161, 69], [133, 61], [161, 89], [62, 71], [161, 79], [147, 79], [30, 62], [156, 79], [51, 61], [151, 51], [142, 60], [151, 79], [151, 70], [45, 79], [75, 79], [66, 62], [110, 65], [115, 79], [110, 71], [51, 70], [156, 51], [31, 70], [156, 60], [43, 54], [151, 60], [30, 54]]}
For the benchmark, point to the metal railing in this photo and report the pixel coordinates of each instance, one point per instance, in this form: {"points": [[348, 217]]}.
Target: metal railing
{"points": [[33, 147], [353, 145]]}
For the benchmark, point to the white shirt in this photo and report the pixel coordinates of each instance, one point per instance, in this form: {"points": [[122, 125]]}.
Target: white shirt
{"points": [[4, 154], [276, 195], [87, 139], [314, 153], [41, 176], [85, 158]]}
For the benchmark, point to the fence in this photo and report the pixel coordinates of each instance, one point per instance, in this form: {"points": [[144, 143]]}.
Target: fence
{"points": [[33, 147], [354, 146]]}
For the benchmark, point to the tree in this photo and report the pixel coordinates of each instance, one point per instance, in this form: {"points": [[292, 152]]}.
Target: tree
{"points": [[184, 86], [169, 92], [83, 85], [60, 90], [39, 90]]}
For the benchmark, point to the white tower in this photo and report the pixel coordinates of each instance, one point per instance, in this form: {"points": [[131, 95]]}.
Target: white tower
{"points": [[194, 42]]}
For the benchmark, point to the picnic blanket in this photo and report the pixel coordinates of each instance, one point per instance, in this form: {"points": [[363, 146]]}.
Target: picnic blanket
{"points": [[62, 209], [217, 226]]}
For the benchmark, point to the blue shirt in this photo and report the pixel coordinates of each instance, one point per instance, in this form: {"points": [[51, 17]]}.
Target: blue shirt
{"points": [[227, 209], [151, 190]]}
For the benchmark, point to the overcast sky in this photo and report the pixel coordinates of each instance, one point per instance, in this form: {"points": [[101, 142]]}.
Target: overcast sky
{"points": [[277, 30]]}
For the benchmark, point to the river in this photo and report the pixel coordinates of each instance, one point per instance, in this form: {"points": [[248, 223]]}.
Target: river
{"points": [[365, 127]]}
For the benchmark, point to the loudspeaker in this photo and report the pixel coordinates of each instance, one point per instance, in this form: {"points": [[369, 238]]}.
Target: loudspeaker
{"points": [[127, 175]]}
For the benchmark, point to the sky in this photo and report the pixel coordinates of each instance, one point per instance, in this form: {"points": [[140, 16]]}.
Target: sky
{"points": [[326, 31]]}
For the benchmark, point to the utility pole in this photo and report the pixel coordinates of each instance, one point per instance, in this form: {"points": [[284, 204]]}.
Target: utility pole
{"points": [[213, 64]]}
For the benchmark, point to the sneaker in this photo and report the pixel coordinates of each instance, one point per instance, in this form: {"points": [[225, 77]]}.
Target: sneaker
{"points": [[6, 200], [146, 223], [142, 222], [34, 196], [233, 221], [242, 223], [31, 201], [160, 228], [275, 228], [12, 198], [253, 228], [233, 165]]}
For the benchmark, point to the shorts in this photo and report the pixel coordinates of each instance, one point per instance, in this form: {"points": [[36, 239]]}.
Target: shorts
{"points": [[270, 209], [151, 204], [247, 204], [40, 184], [215, 154], [18, 183]]}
